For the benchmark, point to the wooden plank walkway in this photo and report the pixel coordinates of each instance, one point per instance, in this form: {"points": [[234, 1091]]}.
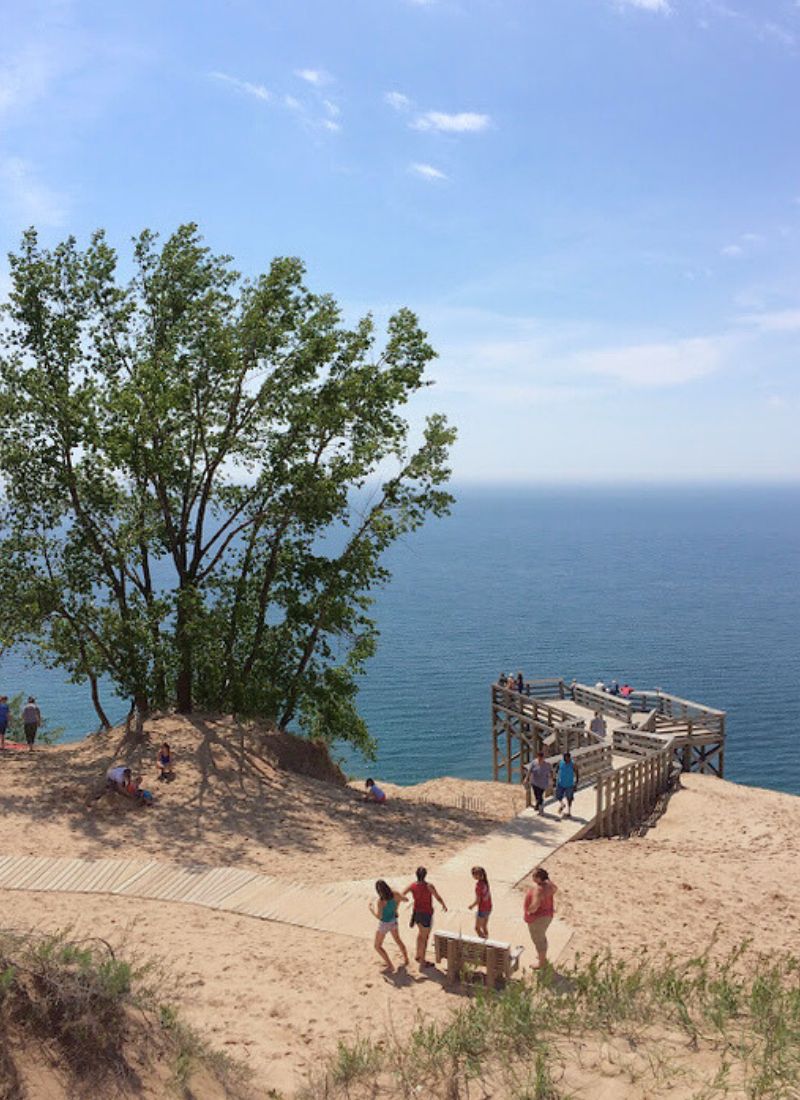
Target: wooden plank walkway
{"points": [[509, 853]]}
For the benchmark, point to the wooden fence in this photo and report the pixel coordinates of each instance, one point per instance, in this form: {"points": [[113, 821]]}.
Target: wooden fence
{"points": [[612, 705], [639, 742], [678, 715], [538, 689], [626, 796]]}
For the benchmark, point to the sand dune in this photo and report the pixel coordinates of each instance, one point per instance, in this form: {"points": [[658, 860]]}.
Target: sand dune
{"points": [[723, 860]]}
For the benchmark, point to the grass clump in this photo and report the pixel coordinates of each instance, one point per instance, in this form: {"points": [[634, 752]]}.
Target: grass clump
{"points": [[715, 1027], [94, 1023]]}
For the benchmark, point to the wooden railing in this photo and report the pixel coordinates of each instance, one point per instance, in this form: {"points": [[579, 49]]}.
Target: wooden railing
{"points": [[570, 737], [626, 796], [639, 742], [613, 705], [648, 723], [537, 689], [682, 715], [527, 706]]}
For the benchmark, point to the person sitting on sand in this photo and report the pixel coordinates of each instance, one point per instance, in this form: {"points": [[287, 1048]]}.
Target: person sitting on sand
{"points": [[164, 762], [385, 910], [118, 778], [374, 793], [423, 893], [133, 789], [538, 912], [482, 902]]}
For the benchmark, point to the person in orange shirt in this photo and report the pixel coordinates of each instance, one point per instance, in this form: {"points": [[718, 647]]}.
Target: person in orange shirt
{"points": [[538, 910]]}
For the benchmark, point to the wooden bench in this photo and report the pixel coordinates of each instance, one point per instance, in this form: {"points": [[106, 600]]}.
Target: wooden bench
{"points": [[499, 959]]}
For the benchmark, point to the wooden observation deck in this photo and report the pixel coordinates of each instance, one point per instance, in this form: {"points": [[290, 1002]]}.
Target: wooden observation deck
{"points": [[642, 740]]}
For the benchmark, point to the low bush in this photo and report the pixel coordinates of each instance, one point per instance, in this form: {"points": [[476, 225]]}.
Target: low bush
{"points": [[730, 1027], [95, 1020]]}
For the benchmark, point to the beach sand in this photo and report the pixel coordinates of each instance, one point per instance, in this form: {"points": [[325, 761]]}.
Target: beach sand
{"points": [[721, 863]]}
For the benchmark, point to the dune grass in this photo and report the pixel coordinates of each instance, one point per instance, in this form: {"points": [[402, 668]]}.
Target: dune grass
{"points": [[715, 1028], [98, 1019]]}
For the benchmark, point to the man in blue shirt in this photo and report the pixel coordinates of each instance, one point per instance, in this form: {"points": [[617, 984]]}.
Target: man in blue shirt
{"points": [[566, 782], [3, 720]]}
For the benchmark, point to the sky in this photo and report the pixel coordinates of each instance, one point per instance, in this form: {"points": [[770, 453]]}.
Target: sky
{"points": [[592, 205]]}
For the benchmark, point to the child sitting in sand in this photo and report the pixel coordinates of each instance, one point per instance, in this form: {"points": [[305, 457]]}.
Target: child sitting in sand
{"points": [[133, 788], [164, 762], [374, 793]]}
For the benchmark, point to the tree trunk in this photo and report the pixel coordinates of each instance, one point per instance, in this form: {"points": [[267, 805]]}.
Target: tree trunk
{"points": [[98, 706], [183, 683]]}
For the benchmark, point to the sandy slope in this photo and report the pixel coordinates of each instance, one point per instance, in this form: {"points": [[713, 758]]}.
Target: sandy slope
{"points": [[723, 863], [723, 856], [230, 806]]}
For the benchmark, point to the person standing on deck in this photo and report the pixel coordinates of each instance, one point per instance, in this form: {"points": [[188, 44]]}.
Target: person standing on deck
{"points": [[520, 683], [566, 782], [423, 894], [598, 725], [538, 912], [4, 712], [540, 777], [31, 720]]}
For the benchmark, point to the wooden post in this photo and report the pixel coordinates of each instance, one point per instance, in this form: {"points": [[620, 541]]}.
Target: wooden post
{"points": [[453, 961]]}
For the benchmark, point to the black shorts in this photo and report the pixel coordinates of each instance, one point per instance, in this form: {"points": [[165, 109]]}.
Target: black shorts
{"points": [[30, 732], [424, 920]]}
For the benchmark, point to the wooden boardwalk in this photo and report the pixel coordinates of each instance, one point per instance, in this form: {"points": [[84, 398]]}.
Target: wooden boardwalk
{"points": [[509, 853]]}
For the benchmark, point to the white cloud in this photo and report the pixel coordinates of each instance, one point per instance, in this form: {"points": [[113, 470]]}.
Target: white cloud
{"points": [[427, 172], [332, 108], [401, 102], [330, 125], [463, 122], [646, 5], [782, 320], [732, 251], [662, 364], [317, 77], [27, 200], [257, 91], [25, 78]]}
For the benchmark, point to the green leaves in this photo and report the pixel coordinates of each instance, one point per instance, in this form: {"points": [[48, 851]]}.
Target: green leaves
{"points": [[184, 462]]}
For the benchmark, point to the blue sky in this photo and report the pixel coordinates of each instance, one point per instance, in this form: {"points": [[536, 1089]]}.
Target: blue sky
{"points": [[593, 205]]}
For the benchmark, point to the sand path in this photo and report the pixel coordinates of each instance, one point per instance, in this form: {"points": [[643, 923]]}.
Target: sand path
{"points": [[510, 851]]}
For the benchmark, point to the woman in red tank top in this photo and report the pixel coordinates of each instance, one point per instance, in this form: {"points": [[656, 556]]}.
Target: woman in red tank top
{"points": [[538, 912], [423, 894]]}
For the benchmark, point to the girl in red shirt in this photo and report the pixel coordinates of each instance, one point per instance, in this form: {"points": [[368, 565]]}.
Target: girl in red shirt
{"points": [[482, 902], [423, 894]]}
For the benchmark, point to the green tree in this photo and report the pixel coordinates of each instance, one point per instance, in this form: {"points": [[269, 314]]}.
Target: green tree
{"points": [[200, 477]]}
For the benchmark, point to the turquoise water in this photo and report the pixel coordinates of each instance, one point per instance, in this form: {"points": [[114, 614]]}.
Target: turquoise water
{"points": [[692, 590]]}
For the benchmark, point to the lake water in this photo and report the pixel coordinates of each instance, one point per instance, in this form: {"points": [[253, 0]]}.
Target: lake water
{"points": [[692, 590]]}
